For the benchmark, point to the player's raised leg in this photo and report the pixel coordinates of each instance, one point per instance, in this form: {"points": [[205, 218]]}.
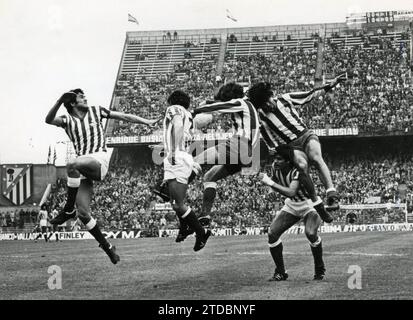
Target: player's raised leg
{"points": [[83, 165], [312, 222], [301, 162], [84, 197], [313, 150], [281, 223], [177, 192]]}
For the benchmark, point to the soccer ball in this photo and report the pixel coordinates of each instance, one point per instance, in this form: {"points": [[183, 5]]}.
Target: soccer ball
{"points": [[201, 120]]}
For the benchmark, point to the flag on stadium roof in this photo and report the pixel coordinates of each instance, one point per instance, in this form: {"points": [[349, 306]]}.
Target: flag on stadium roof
{"points": [[132, 19], [230, 16]]}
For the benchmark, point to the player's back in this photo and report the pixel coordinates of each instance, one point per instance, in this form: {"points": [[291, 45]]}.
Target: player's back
{"points": [[187, 121]]}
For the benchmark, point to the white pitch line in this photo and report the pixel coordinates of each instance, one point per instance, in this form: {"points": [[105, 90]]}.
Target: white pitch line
{"points": [[260, 253]]}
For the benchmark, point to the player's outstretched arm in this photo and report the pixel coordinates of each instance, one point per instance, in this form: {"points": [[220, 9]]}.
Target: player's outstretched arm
{"points": [[215, 108], [301, 98], [132, 118], [51, 116], [289, 192]]}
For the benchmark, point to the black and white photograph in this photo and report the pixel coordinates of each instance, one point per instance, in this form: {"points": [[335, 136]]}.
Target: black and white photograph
{"points": [[230, 151]]}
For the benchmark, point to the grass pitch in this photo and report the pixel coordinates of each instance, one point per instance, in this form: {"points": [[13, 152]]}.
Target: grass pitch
{"points": [[236, 267]]}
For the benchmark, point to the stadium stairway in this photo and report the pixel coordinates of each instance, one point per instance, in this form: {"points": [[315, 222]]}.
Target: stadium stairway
{"points": [[319, 66], [221, 56]]}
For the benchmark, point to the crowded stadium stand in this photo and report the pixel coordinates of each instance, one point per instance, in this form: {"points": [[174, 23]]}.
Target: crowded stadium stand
{"points": [[365, 124]]}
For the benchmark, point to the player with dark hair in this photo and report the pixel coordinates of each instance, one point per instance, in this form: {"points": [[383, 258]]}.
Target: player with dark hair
{"points": [[231, 156], [286, 180], [238, 151], [83, 125], [281, 124], [179, 165]]}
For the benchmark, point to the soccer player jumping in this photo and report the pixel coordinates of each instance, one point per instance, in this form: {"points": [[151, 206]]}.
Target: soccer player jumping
{"points": [[281, 125], [238, 151], [179, 164], [298, 206], [83, 125]]}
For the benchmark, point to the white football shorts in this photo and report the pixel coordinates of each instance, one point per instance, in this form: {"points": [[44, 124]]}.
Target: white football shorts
{"points": [[182, 168], [299, 209], [103, 158]]}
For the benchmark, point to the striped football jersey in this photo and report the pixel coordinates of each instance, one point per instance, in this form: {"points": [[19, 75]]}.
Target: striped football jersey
{"points": [[285, 177], [87, 134], [244, 116], [282, 124], [168, 137]]}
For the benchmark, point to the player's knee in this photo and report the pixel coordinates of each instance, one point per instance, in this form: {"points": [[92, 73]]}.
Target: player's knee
{"points": [[302, 164], [178, 208], [317, 159], [72, 166], [273, 237], [311, 234], [208, 177], [83, 211]]}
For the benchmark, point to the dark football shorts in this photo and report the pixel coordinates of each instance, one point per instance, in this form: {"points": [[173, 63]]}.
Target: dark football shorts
{"points": [[301, 142], [235, 153]]}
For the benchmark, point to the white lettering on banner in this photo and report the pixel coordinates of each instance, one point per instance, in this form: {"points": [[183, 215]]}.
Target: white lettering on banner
{"points": [[211, 136], [222, 232], [133, 234], [163, 206], [254, 231], [169, 232], [156, 138], [330, 229], [128, 235], [373, 206]]}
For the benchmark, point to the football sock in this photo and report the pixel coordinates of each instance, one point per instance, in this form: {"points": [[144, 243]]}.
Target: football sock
{"points": [[276, 250], [193, 222], [72, 187], [183, 223], [209, 197], [94, 230], [317, 251], [319, 206], [45, 237]]}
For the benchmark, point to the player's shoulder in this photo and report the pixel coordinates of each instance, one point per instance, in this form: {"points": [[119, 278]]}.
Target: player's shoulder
{"points": [[239, 100], [176, 110]]}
